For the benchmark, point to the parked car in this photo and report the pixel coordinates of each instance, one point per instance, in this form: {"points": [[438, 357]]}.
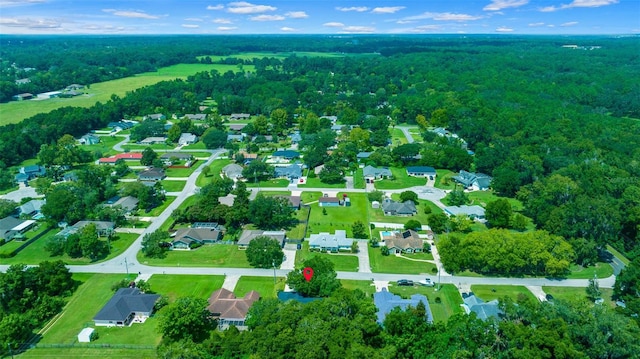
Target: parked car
{"points": [[405, 282], [427, 282]]}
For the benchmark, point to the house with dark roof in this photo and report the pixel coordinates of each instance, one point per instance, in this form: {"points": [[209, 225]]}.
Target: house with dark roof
{"points": [[153, 140], [11, 227], [329, 202], [104, 228], [239, 116], [331, 242], [403, 209], [474, 181], [196, 117], [285, 155], [248, 235], [23, 96], [233, 171], [32, 208], [237, 127], [229, 310], [371, 173], [386, 302], [473, 212], [422, 171], [291, 172], [484, 310], [33, 171], [152, 174], [89, 139], [403, 242], [120, 125], [362, 156], [294, 201], [186, 238], [126, 307], [128, 203]]}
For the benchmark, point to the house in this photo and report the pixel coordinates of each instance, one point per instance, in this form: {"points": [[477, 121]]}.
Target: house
{"points": [[186, 238], [70, 177], [229, 310], [393, 208], [168, 158], [187, 138], [285, 155], [233, 171], [239, 116], [155, 117], [475, 181], [152, 174], [331, 242], [74, 87], [403, 242], [104, 228], [329, 202], [294, 201], [337, 128], [422, 171], [248, 235], [291, 172], [33, 171], [362, 156], [473, 212], [89, 139], [153, 141], [295, 138], [385, 302], [196, 117], [127, 306], [129, 156], [72, 93], [235, 138], [484, 310], [11, 227], [128, 203], [237, 127], [121, 125], [32, 208], [23, 96], [371, 173], [228, 200], [48, 95], [23, 81]]}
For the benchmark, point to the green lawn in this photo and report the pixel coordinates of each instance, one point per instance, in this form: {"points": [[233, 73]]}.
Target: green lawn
{"points": [[400, 180], [196, 146], [176, 286], [275, 193], [482, 198], [173, 186], [600, 269], [216, 169], [10, 189], [358, 179], [263, 285], [393, 264], [444, 180], [343, 262], [491, 292], [450, 299], [577, 294], [338, 217], [133, 147], [279, 182], [618, 255], [181, 172], [214, 255], [9, 247], [277, 55], [158, 210], [316, 183], [397, 137], [364, 285], [105, 147]]}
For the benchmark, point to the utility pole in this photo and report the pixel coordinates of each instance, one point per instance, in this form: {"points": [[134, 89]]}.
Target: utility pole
{"points": [[126, 265]]}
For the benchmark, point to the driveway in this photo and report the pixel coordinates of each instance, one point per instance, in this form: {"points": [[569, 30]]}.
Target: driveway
{"points": [[363, 257], [289, 258], [21, 193]]}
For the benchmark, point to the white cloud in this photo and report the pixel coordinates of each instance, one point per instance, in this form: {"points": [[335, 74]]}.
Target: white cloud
{"points": [[504, 29], [226, 28], [579, 3], [444, 16], [353, 8], [387, 10], [30, 23], [11, 3], [297, 14], [497, 5], [190, 26], [287, 29], [267, 18], [215, 7], [131, 14], [358, 29], [536, 24], [222, 21], [417, 30], [193, 19], [333, 24], [570, 23], [243, 7]]}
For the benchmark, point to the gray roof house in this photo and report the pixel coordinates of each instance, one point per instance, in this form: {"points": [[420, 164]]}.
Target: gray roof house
{"points": [[363, 155], [10, 227], [127, 306], [152, 174], [28, 173], [475, 181], [89, 139], [483, 310], [232, 170], [474, 212], [127, 203], [393, 208], [31, 208], [404, 242], [187, 138], [370, 172], [104, 228], [196, 117], [331, 242], [248, 235], [291, 172], [285, 155], [185, 237], [422, 171], [385, 302], [155, 116], [237, 138]]}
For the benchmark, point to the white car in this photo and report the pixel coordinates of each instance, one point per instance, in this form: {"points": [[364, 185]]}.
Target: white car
{"points": [[427, 282]]}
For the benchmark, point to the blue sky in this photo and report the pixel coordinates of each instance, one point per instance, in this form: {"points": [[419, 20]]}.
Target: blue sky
{"points": [[320, 17]]}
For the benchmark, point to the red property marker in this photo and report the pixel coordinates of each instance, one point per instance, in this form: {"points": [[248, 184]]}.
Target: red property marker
{"points": [[307, 273]]}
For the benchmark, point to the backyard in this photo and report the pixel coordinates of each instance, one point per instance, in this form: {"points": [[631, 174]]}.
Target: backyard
{"points": [[400, 180], [450, 299], [339, 217], [377, 215]]}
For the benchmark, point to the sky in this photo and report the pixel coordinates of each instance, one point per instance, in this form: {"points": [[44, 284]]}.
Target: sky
{"points": [[564, 17]]}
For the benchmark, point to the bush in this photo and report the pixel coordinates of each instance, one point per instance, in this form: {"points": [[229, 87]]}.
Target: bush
{"points": [[438, 300], [384, 250]]}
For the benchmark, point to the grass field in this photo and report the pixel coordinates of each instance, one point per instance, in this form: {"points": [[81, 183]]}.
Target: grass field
{"points": [[176, 286], [398, 138], [263, 285], [393, 264], [173, 186], [215, 255], [444, 179], [338, 217], [600, 270], [450, 299], [482, 198], [216, 168], [279, 182], [105, 147], [358, 179], [12, 245], [577, 294], [158, 210], [364, 285], [17, 111], [277, 55], [316, 183], [343, 262], [182, 172], [491, 292], [196, 146], [400, 180]]}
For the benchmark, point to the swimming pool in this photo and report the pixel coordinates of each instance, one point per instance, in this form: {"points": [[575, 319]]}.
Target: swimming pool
{"points": [[386, 234]]}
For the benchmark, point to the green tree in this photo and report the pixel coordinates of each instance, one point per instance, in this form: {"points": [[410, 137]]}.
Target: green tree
{"points": [[7, 207], [593, 289], [271, 213], [499, 213], [258, 170], [627, 288], [409, 196], [186, 319], [360, 137], [457, 197], [214, 138], [264, 252], [413, 224], [359, 230], [279, 119], [174, 133], [148, 156], [375, 196], [438, 222], [155, 245], [91, 246], [322, 284], [518, 222]]}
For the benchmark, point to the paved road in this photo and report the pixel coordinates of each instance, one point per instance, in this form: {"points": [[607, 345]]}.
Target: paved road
{"points": [[406, 132]]}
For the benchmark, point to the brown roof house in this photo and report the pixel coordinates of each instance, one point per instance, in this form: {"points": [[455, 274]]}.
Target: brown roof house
{"points": [[229, 310], [404, 242]]}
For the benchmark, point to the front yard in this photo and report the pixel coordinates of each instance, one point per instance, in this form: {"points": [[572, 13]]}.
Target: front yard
{"points": [[400, 180], [491, 292], [211, 255], [450, 299], [398, 265], [263, 285], [343, 261]]}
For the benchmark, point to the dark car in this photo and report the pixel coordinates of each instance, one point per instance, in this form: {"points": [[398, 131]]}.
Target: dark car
{"points": [[405, 282]]}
